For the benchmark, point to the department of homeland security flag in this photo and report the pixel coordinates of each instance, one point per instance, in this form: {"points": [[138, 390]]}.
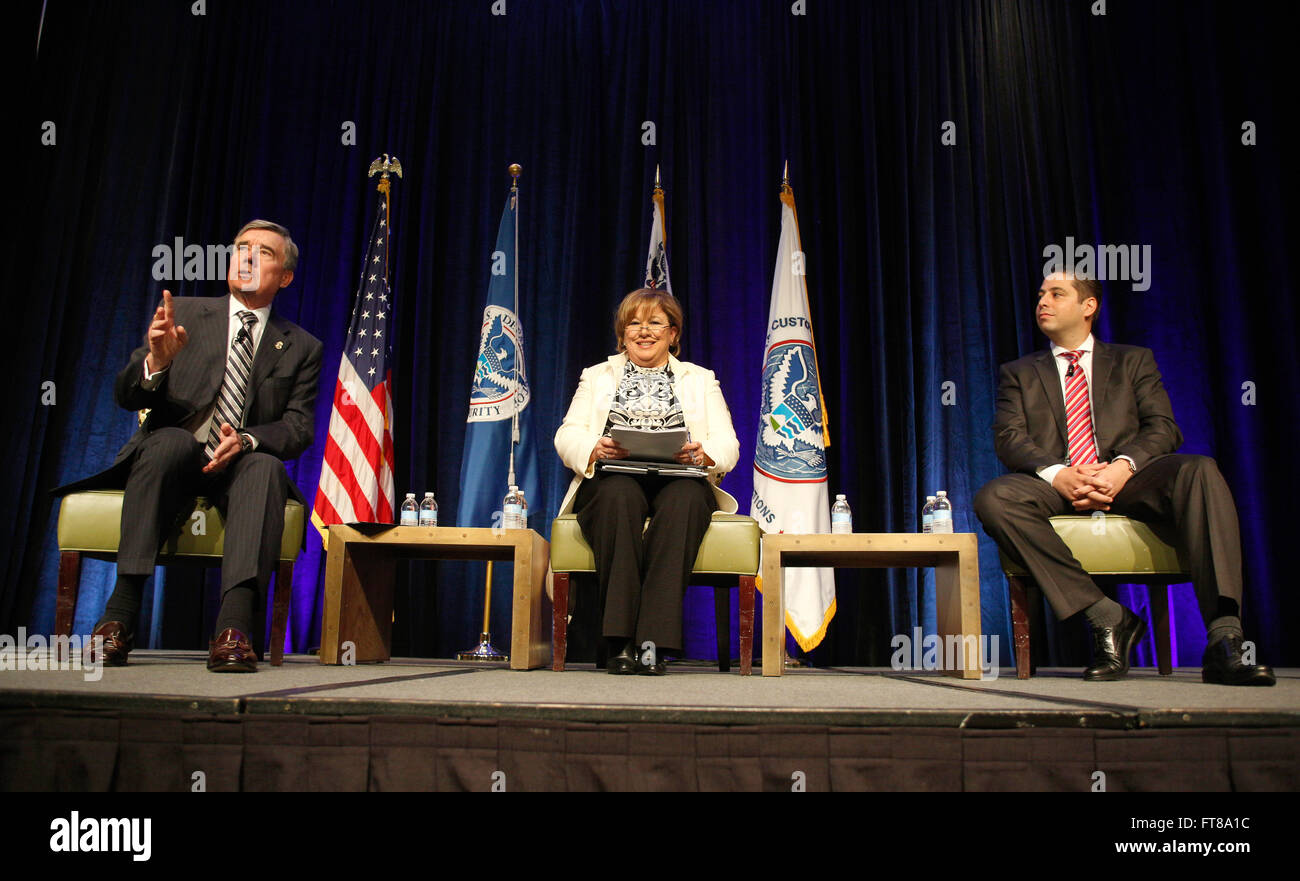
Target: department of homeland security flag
{"points": [[500, 388], [790, 491], [356, 478], [656, 261]]}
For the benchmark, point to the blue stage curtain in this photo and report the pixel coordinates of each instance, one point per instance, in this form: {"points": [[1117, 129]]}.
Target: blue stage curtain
{"points": [[922, 257]]}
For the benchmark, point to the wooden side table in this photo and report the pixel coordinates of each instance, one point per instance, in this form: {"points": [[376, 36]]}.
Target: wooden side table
{"points": [[954, 556], [360, 571]]}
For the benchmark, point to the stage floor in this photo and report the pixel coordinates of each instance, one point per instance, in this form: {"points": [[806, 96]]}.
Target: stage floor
{"points": [[177, 682]]}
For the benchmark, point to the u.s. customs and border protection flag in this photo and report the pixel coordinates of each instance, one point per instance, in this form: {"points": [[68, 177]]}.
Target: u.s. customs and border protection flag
{"points": [[356, 478], [790, 488], [656, 261], [500, 392]]}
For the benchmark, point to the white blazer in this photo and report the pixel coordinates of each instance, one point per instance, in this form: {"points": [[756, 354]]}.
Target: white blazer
{"points": [[705, 411]]}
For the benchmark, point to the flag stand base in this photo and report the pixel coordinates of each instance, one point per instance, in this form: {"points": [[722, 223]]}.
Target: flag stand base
{"points": [[484, 651]]}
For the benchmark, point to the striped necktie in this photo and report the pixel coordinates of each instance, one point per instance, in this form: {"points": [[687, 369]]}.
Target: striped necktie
{"points": [[1078, 413], [234, 389]]}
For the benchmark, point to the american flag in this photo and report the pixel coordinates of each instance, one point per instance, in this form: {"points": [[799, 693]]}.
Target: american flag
{"points": [[356, 479]]}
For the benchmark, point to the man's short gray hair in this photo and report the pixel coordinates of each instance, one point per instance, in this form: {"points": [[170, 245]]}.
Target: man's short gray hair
{"points": [[290, 249]]}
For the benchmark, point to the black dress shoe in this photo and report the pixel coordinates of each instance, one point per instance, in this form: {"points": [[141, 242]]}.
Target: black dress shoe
{"points": [[624, 662], [1111, 647], [1221, 665], [116, 645], [658, 668]]}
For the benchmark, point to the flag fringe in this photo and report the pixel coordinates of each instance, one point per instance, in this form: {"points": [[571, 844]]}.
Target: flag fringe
{"points": [[807, 643]]}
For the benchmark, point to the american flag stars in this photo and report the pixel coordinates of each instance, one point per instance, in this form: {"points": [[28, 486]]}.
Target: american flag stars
{"points": [[369, 323]]}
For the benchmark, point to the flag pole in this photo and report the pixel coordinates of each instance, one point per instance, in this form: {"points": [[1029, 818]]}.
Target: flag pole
{"points": [[657, 195], [485, 651], [515, 170], [787, 196]]}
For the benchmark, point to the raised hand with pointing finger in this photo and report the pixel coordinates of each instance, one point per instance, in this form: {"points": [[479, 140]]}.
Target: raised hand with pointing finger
{"points": [[166, 337]]}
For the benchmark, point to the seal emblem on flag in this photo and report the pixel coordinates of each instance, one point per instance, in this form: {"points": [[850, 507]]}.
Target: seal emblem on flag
{"points": [[790, 445], [494, 373]]}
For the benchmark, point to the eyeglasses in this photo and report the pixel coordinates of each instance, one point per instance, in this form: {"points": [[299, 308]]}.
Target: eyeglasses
{"points": [[656, 328]]}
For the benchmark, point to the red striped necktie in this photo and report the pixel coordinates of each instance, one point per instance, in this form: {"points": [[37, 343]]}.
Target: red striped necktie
{"points": [[1078, 413]]}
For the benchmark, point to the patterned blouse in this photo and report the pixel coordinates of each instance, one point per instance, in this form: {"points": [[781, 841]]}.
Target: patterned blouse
{"points": [[645, 400]]}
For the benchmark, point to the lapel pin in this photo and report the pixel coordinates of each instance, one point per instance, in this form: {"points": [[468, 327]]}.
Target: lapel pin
{"points": [[279, 344]]}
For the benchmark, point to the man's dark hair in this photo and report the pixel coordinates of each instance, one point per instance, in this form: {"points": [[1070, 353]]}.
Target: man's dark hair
{"points": [[1089, 287]]}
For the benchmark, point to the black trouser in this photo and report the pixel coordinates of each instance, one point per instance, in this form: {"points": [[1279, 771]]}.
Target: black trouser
{"points": [[1184, 498], [643, 575], [166, 474]]}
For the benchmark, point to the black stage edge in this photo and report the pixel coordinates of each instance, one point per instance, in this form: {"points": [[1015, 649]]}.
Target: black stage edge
{"points": [[445, 726]]}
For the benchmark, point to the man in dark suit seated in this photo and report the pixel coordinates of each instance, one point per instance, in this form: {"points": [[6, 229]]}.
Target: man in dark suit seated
{"points": [[1087, 426], [230, 391]]}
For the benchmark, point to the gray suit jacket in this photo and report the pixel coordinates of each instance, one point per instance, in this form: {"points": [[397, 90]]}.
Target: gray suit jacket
{"points": [[1132, 415], [279, 410]]}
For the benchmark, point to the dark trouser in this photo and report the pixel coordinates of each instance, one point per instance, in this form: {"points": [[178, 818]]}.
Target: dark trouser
{"points": [[642, 576], [166, 474], [1183, 498]]}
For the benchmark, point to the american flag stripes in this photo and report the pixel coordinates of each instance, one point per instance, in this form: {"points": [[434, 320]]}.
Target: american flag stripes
{"points": [[356, 480]]}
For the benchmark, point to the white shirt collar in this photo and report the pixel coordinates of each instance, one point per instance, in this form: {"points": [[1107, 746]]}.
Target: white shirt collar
{"points": [[1085, 347], [262, 314]]}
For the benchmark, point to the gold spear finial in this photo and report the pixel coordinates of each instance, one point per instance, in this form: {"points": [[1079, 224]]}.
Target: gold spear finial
{"points": [[785, 177], [515, 170]]}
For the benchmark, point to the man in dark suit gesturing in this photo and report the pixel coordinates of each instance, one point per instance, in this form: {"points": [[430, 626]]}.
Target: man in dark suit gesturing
{"points": [[230, 391], [1088, 427]]}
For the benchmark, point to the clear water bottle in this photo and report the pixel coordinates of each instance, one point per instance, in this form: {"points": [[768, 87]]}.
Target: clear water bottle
{"points": [[512, 509], [410, 511], [927, 515], [523, 511], [942, 514], [841, 516], [428, 511]]}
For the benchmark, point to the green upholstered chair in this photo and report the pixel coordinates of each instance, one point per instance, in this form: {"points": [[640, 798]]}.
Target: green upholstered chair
{"points": [[1113, 550], [90, 526], [728, 557]]}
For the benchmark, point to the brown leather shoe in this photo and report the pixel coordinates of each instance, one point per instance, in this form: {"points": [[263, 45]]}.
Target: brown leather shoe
{"points": [[117, 645], [231, 652]]}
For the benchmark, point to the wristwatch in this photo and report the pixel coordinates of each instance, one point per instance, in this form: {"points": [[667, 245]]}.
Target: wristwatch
{"points": [[245, 443]]}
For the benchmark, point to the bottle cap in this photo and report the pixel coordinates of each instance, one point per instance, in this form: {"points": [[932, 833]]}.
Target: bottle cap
{"points": [[929, 498], [839, 497], [943, 493], [410, 495], [428, 495], [513, 488]]}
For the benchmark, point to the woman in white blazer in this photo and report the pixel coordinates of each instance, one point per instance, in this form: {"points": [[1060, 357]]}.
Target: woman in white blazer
{"points": [[642, 575]]}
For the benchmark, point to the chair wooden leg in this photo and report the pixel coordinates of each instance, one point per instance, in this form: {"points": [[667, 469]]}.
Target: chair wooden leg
{"points": [[280, 612], [1158, 603], [722, 623], [65, 608], [1019, 624], [746, 624], [559, 620]]}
